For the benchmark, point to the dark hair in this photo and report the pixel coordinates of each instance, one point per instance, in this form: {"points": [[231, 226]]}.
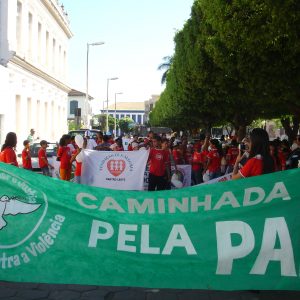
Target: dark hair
{"points": [[10, 141], [260, 146], [276, 158], [26, 142], [234, 143], [105, 138], [157, 137], [63, 140], [217, 144]]}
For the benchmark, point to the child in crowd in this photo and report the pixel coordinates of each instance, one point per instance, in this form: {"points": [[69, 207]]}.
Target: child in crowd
{"points": [[43, 161], [26, 157], [64, 155]]}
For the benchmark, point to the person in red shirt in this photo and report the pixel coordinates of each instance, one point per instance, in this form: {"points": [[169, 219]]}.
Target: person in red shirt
{"points": [[177, 153], [43, 160], [26, 157], [64, 155], [231, 156], [8, 154], [197, 165], [260, 161], [158, 160], [213, 165], [165, 145]]}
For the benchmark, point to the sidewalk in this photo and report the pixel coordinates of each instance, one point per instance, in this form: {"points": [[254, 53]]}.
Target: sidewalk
{"points": [[36, 291]]}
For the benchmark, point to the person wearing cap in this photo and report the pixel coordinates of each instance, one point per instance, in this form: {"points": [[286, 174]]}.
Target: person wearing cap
{"points": [[31, 138], [43, 161], [26, 157]]}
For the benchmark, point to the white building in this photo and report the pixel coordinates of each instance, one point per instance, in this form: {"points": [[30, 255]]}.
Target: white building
{"points": [[80, 104], [132, 110], [149, 105], [34, 38]]}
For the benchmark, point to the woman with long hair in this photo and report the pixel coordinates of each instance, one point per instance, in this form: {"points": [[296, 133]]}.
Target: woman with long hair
{"points": [[8, 154], [260, 160]]}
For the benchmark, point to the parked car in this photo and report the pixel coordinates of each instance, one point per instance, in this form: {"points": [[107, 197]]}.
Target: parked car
{"points": [[34, 150], [82, 132]]}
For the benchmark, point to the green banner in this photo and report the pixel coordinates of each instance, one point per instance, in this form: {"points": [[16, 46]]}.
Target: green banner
{"points": [[235, 235]]}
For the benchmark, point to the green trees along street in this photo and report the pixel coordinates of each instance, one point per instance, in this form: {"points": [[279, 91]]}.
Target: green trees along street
{"points": [[233, 63]]}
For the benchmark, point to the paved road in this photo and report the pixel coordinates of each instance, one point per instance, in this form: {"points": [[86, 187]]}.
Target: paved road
{"points": [[36, 291]]}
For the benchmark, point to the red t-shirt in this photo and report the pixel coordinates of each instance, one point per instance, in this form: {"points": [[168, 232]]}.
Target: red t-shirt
{"points": [[177, 156], [197, 161], [232, 154], [215, 160], [203, 156], [26, 159], [65, 156], [42, 154], [8, 156], [253, 167], [158, 159], [78, 166]]}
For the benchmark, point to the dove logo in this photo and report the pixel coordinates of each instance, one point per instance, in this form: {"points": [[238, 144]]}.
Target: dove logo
{"points": [[21, 214]]}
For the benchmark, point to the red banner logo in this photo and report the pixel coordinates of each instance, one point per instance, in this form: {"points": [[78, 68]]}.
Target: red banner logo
{"points": [[116, 166]]}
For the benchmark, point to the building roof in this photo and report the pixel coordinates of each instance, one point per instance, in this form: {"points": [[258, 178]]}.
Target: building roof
{"points": [[78, 93], [128, 106]]}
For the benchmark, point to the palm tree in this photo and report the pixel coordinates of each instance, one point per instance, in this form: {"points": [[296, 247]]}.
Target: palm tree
{"points": [[165, 66]]}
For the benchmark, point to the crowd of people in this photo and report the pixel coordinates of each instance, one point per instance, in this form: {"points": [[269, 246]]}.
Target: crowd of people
{"points": [[209, 157]]}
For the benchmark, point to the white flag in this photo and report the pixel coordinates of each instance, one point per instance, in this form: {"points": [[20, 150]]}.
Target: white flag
{"points": [[118, 170]]}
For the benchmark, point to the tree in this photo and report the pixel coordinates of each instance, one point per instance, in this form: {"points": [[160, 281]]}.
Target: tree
{"points": [[102, 122], [126, 124], [263, 38], [165, 66]]}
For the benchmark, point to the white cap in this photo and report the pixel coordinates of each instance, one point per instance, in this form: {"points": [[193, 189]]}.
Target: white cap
{"points": [[87, 133]]}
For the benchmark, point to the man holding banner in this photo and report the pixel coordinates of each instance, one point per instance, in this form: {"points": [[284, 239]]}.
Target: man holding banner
{"points": [[159, 160]]}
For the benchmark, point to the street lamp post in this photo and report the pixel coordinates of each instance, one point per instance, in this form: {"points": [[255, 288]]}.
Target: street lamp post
{"points": [[87, 68], [108, 79], [119, 93]]}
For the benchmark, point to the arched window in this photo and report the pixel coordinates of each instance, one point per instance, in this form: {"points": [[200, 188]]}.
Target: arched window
{"points": [[73, 106]]}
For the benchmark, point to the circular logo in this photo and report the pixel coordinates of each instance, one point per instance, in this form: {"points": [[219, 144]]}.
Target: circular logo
{"points": [[22, 210]]}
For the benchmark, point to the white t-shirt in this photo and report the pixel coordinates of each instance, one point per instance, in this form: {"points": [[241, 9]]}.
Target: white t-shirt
{"points": [[91, 144]]}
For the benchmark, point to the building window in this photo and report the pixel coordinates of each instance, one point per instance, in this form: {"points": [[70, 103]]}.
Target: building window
{"points": [[39, 42], [19, 26], [53, 54], [30, 35], [122, 116], [73, 107], [47, 48], [134, 118], [139, 119]]}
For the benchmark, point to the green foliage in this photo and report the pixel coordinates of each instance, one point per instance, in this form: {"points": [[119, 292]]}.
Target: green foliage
{"points": [[102, 122], [126, 124], [73, 125], [234, 62]]}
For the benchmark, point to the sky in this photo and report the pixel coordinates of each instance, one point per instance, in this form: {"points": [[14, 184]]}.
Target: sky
{"points": [[137, 35]]}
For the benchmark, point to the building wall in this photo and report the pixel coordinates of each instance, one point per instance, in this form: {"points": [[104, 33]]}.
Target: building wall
{"points": [[86, 109], [149, 105], [34, 39]]}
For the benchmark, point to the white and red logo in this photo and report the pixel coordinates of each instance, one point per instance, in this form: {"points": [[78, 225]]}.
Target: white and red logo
{"points": [[158, 156], [116, 166]]}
